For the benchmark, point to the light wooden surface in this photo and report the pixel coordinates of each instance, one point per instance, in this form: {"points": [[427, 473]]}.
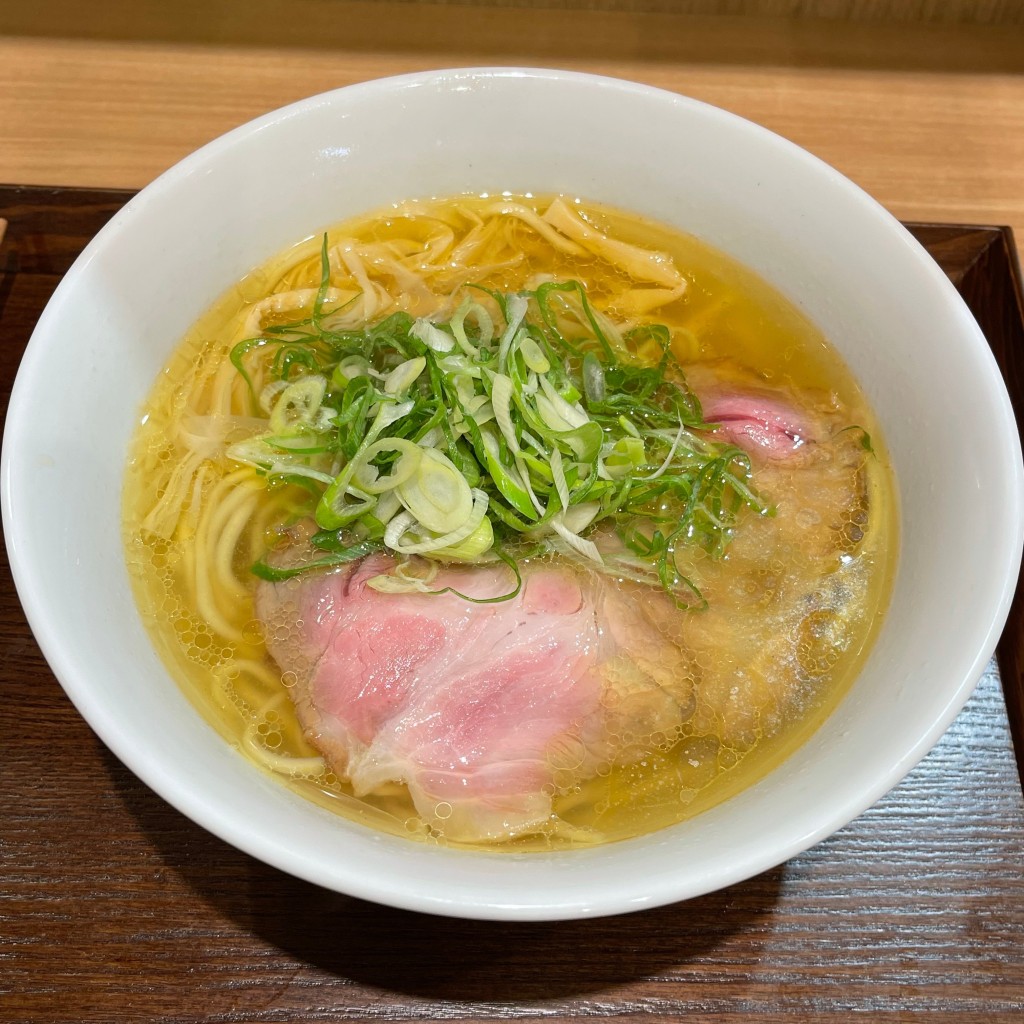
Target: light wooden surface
{"points": [[108, 98]]}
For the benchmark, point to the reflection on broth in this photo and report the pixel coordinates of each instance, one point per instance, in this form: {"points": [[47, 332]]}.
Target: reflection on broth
{"points": [[565, 527]]}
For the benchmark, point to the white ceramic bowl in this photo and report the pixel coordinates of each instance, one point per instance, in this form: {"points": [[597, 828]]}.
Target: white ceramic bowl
{"points": [[840, 257]]}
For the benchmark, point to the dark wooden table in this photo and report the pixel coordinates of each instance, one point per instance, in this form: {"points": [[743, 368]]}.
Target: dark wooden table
{"points": [[113, 907]]}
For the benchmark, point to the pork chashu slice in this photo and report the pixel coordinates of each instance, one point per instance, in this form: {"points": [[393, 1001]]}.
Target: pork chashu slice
{"points": [[483, 711]]}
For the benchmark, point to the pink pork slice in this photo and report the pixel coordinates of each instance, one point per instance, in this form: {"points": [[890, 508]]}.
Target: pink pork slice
{"points": [[776, 424], [759, 423], [463, 702]]}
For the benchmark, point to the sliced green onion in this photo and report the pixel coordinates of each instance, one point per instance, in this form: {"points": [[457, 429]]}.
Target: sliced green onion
{"points": [[587, 548], [432, 336], [579, 517], [629, 426], [558, 473], [477, 544], [256, 452], [533, 356], [268, 396], [524, 475], [366, 476], [668, 458], [585, 440], [515, 311], [436, 493], [462, 443], [342, 556], [506, 478], [333, 510], [458, 326], [501, 402], [347, 370], [403, 376], [625, 457], [572, 416], [593, 378], [406, 522], [297, 405]]}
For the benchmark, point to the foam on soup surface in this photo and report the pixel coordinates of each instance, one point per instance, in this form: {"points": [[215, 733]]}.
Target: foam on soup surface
{"points": [[521, 523]]}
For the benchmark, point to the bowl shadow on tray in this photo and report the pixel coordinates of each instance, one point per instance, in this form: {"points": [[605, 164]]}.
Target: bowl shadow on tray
{"points": [[441, 958]]}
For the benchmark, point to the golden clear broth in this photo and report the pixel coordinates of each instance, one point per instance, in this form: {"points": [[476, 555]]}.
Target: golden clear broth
{"points": [[202, 620]]}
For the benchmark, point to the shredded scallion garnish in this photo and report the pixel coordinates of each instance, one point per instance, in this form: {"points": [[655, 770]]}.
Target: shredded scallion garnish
{"points": [[524, 422]]}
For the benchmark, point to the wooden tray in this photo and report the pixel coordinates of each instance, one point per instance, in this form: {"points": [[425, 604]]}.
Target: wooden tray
{"points": [[113, 907]]}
